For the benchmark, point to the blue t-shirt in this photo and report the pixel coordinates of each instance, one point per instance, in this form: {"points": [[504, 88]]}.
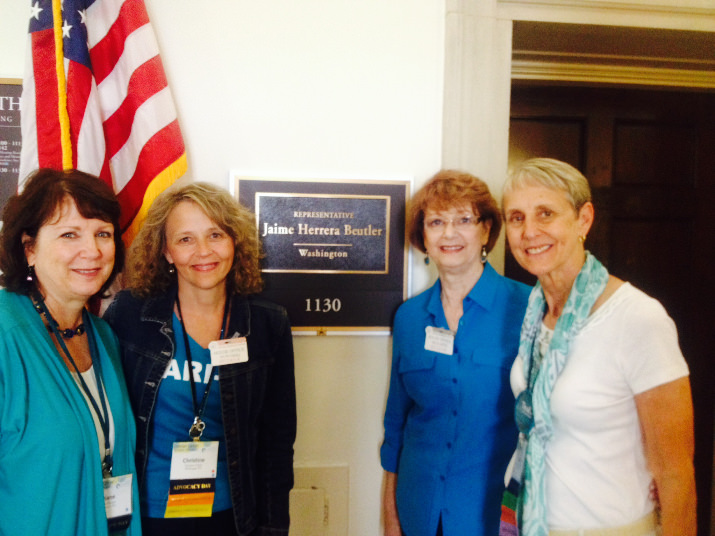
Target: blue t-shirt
{"points": [[173, 416]]}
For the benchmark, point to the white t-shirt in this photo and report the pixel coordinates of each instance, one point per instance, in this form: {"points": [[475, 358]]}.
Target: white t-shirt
{"points": [[596, 474]]}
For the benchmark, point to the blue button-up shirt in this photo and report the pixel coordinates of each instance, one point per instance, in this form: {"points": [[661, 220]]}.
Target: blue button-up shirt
{"points": [[449, 425]]}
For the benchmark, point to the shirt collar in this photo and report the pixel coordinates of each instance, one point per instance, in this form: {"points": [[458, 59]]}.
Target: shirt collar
{"points": [[483, 293]]}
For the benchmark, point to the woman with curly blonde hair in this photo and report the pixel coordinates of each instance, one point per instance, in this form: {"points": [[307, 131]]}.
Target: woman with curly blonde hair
{"points": [[192, 275], [148, 271]]}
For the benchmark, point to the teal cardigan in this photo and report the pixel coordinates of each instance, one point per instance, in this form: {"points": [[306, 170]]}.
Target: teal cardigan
{"points": [[50, 470]]}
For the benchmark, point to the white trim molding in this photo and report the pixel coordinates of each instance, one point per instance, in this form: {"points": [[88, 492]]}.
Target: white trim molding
{"points": [[682, 7], [618, 70], [694, 15]]}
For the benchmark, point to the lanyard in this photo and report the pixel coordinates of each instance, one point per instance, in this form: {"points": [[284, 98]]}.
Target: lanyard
{"points": [[197, 428], [533, 366], [524, 409], [537, 356], [103, 414]]}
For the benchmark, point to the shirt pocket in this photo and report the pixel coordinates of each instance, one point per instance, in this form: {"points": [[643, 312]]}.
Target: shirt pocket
{"points": [[425, 376], [491, 367], [418, 361]]}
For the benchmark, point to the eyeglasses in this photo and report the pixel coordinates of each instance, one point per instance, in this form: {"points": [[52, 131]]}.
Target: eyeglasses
{"points": [[438, 223]]}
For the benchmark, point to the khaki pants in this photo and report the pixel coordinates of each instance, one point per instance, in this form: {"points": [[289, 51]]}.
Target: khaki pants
{"points": [[645, 526]]}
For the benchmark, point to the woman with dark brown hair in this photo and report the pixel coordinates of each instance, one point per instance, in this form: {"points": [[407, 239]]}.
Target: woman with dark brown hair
{"points": [[66, 428], [449, 426]]}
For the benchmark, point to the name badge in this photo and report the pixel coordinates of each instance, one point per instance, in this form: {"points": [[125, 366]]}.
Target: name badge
{"points": [[118, 501], [192, 479], [439, 340], [228, 351]]}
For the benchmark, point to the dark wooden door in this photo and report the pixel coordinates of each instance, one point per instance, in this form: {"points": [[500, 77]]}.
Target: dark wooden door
{"points": [[650, 159]]}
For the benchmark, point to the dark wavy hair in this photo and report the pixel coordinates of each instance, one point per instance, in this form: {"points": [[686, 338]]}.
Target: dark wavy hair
{"points": [[42, 196], [449, 188], [147, 271]]}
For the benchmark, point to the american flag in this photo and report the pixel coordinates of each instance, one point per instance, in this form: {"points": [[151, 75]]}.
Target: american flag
{"points": [[96, 98]]}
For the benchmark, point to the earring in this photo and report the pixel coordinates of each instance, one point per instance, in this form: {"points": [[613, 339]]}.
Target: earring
{"points": [[30, 274], [172, 269], [582, 238], [426, 260], [484, 254]]}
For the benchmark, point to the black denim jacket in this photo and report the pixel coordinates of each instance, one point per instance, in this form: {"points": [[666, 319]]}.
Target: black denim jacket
{"points": [[257, 399]]}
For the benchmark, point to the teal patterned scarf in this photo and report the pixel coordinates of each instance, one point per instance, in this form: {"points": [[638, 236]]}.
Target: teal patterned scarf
{"points": [[587, 287]]}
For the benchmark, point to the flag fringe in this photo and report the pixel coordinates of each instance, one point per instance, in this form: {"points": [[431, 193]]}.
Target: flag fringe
{"points": [[162, 181]]}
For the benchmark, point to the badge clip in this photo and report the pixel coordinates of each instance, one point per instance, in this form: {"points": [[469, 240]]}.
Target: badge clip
{"points": [[107, 466], [197, 429]]}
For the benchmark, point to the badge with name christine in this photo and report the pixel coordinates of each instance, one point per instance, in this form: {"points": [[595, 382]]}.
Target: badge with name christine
{"points": [[439, 340], [192, 479], [228, 351]]}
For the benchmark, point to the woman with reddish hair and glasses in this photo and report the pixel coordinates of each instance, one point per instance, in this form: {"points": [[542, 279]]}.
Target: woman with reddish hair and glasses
{"points": [[449, 426]]}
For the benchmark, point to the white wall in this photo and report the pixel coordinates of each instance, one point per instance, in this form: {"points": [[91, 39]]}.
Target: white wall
{"points": [[329, 88]]}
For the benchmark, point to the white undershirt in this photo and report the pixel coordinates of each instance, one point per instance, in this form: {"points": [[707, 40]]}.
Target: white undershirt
{"points": [[91, 382]]}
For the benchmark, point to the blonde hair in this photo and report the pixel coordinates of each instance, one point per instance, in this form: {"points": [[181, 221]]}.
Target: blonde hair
{"points": [[147, 272]]}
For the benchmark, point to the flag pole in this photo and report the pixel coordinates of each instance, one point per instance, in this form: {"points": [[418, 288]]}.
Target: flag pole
{"points": [[62, 113]]}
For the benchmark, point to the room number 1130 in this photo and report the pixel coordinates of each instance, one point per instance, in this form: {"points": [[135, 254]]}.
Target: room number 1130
{"points": [[324, 305]]}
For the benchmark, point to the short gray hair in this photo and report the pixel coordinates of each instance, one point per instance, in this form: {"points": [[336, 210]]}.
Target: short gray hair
{"points": [[553, 174]]}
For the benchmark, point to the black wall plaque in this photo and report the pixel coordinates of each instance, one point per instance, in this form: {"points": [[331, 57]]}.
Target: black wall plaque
{"points": [[336, 256]]}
